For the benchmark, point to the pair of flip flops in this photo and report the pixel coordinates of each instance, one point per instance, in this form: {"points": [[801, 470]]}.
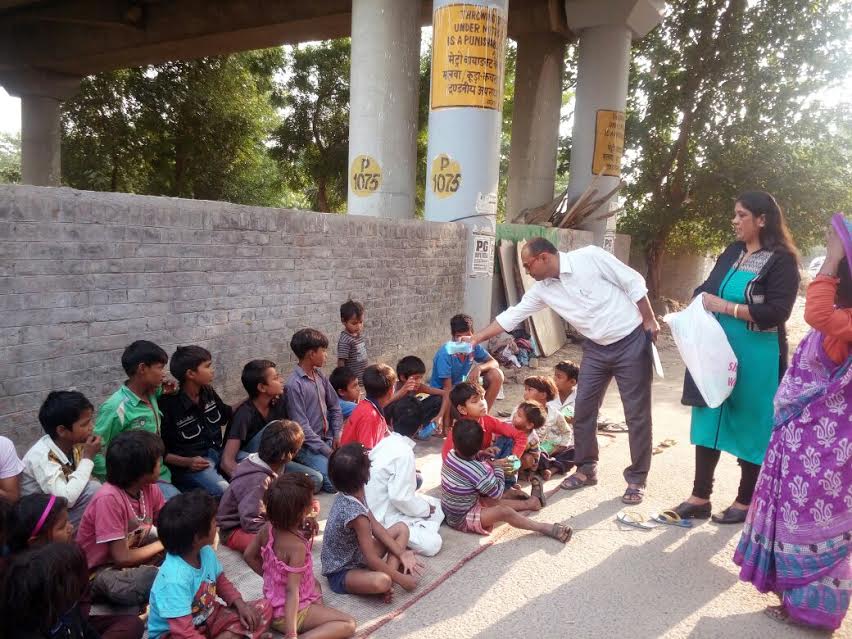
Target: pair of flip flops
{"points": [[636, 519], [666, 443]]}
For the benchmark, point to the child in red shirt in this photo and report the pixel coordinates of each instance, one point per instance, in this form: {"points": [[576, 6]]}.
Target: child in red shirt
{"points": [[467, 401], [367, 424]]}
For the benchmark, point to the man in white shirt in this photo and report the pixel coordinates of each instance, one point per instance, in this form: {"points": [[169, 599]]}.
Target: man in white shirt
{"points": [[391, 492], [607, 302]]}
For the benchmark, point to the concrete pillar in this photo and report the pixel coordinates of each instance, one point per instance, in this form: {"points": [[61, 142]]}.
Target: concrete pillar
{"points": [[41, 93], [463, 158], [606, 32], [535, 122], [41, 141], [384, 80]]}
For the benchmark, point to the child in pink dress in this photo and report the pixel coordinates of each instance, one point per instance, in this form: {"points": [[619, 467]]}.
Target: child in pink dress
{"points": [[281, 553]]}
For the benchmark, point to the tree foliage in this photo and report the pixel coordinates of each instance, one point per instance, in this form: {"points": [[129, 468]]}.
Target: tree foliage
{"points": [[10, 158], [194, 129], [312, 142], [721, 100]]}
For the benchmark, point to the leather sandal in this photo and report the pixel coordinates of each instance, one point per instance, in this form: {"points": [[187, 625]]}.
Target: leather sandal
{"points": [[730, 515], [573, 482], [693, 511]]}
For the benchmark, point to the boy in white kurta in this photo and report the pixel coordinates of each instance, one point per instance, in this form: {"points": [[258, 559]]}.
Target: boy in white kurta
{"points": [[392, 490]]}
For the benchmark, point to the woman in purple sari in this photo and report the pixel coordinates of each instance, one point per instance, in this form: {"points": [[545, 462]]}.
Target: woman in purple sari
{"points": [[797, 540]]}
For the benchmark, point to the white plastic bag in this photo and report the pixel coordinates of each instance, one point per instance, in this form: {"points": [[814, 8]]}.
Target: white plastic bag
{"points": [[705, 351]]}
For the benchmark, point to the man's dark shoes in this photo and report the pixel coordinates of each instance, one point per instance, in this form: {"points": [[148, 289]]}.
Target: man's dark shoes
{"points": [[731, 515], [693, 511]]}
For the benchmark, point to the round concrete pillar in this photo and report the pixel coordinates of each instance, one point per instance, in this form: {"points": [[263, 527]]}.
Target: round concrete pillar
{"points": [[41, 141], [602, 72], [535, 122], [384, 78], [463, 158]]}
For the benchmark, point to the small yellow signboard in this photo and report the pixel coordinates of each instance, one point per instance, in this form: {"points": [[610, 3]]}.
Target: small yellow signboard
{"points": [[365, 176], [446, 176], [468, 56], [609, 143]]}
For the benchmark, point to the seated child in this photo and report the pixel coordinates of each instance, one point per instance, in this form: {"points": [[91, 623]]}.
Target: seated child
{"points": [[313, 404], [42, 592], [61, 462], [360, 556], [391, 492], [265, 403], [281, 554], [134, 406], [528, 418], [184, 596], [193, 419], [117, 531], [345, 383], [351, 346], [471, 489], [410, 371], [241, 513], [367, 423], [450, 369], [467, 401], [10, 471], [565, 374], [557, 436], [38, 520]]}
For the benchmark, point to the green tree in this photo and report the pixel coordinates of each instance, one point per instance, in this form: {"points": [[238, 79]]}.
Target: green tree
{"points": [[312, 142], [10, 158], [721, 100], [194, 129]]}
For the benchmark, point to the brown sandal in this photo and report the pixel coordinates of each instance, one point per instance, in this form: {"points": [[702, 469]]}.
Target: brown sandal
{"points": [[560, 532], [537, 489]]}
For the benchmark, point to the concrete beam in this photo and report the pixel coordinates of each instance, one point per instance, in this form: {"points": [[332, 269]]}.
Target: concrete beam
{"points": [[89, 36], [639, 16]]}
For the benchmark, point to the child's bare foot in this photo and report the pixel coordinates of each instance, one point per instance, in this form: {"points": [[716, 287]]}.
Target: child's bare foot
{"points": [[388, 596], [515, 492], [546, 474]]}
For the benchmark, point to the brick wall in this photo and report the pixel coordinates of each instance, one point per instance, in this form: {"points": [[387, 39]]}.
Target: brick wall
{"points": [[83, 274]]}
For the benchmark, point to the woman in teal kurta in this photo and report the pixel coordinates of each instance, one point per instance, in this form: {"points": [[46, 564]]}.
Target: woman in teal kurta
{"points": [[751, 291]]}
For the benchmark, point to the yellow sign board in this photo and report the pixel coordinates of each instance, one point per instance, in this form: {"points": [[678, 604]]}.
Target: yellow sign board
{"points": [[609, 143], [446, 176], [468, 56], [365, 176]]}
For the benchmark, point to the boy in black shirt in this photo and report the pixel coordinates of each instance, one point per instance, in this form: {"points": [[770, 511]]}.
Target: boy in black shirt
{"points": [[193, 421]]}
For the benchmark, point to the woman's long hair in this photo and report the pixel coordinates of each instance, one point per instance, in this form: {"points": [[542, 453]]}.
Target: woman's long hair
{"points": [[774, 235]]}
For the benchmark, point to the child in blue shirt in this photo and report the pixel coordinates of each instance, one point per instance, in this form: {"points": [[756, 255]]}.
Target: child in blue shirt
{"points": [[345, 383], [449, 369], [183, 598]]}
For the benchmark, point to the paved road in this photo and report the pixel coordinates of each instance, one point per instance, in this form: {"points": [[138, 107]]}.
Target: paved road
{"points": [[609, 582]]}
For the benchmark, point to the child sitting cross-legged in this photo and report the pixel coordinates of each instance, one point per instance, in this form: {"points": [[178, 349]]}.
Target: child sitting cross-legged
{"points": [[367, 423], [117, 531], [281, 554], [360, 556], [241, 512], [471, 489], [556, 435], [183, 598], [345, 384]]}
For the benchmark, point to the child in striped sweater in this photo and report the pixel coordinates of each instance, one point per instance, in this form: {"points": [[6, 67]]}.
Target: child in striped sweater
{"points": [[471, 489]]}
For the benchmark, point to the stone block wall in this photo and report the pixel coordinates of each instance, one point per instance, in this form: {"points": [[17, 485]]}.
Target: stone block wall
{"points": [[84, 274]]}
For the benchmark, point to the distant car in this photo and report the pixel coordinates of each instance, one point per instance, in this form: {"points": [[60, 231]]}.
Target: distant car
{"points": [[816, 265]]}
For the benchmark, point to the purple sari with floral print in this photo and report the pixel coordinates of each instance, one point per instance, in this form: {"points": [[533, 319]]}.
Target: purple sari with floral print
{"points": [[797, 540]]}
